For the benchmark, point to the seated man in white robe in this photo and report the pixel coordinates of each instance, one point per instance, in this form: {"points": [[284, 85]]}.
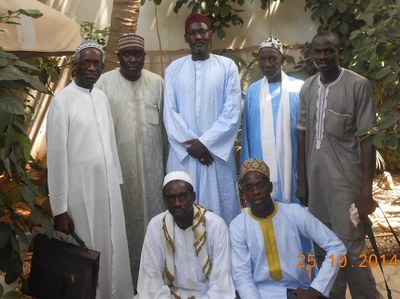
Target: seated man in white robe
{"points": [[186, 251], [267, 257]]}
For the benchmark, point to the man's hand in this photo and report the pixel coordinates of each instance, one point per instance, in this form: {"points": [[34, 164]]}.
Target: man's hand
{"points": [[365, 204], [309, 293], [199, 151], [63, 223], [302, 191]]}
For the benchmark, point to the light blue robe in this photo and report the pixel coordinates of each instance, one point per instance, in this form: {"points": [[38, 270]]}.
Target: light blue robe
{"points": [[202, 99], [250, 269], [251, 134]]}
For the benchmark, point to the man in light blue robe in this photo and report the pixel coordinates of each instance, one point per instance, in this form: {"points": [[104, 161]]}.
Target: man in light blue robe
{"points": [[281, 93], [202, 107]]}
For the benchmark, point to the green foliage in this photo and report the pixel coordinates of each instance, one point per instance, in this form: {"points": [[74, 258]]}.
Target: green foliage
{"points": [[11, 17], [370, 31], [90, 31], [22, 187], [223, 13]]}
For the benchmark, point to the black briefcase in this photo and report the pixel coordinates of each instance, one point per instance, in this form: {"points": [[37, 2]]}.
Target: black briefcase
{"points": [[62, 270]]}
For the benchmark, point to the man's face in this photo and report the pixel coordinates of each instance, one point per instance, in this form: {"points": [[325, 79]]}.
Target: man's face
{"points": [[179, 199], [198, 36], [257, 189], [88, 67], [270, 62], [325, 54], [131, 61]]}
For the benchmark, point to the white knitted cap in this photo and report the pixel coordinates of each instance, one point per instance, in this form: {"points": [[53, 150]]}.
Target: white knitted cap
{"points": [[177, 175]]}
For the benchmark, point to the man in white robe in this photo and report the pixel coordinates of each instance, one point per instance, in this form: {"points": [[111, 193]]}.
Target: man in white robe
{"points": [[84, 172], [267, 257], [202, 107], [186, 252], [135, 96]]}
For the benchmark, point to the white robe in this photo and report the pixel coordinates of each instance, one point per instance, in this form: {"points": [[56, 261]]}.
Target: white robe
{"points": [[84, 176], [202, 100], [136, 108], [249, 261], [189, 276]]}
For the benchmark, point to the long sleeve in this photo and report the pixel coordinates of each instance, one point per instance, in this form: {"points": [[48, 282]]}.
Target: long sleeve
{"points": [[177, 129], [220, 281], [220, 138], [151, 283], [241, 261], [57, 156], [113, 144], [245, 150], [312, 228]]}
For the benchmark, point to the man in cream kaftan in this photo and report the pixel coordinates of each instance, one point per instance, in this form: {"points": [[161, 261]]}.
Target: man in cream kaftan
{"points": [[84, 174], [136, 105]]}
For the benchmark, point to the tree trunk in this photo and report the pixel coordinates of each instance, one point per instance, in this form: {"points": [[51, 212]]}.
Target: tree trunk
{"points": [[124, 18]]}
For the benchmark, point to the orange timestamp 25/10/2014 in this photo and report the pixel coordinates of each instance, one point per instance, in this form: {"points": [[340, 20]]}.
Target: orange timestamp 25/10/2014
{"points": [[371, 260]]}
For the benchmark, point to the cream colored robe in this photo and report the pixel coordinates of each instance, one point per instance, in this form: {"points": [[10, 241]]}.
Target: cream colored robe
{"points": [[137, 112]]}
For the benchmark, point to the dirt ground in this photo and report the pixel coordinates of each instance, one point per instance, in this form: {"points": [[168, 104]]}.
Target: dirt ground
{"points": [[387, 195]]}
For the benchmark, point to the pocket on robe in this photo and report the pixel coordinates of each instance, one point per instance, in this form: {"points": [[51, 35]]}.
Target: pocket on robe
{"points": [[152, 114]]}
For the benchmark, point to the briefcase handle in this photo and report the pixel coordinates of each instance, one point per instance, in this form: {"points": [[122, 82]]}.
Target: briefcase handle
{"points": [[79, 240]]}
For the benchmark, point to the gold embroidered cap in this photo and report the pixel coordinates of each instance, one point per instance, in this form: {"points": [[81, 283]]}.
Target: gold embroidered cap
{"points": [[254, 164]]}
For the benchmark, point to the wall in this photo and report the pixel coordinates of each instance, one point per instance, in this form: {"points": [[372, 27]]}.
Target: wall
{"points": [[287, 20]]}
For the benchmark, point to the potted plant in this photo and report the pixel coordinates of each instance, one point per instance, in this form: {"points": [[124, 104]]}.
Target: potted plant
{"points": [[23, 194]]}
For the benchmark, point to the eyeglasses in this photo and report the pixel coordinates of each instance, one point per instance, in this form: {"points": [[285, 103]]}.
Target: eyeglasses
{"points": [[259, 186], [180, 197], [88, 63], [201, 32]]}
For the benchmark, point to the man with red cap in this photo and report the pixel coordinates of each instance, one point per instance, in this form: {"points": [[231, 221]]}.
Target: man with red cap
{"points": [[202, 108]]}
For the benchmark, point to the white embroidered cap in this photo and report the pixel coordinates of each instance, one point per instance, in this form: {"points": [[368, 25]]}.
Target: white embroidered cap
{"points": [[177, 175]]}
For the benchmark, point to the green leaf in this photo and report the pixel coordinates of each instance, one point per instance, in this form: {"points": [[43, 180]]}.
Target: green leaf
{"points": [[3, 62], [383, 72], [221, 33], [11, 104], [4, 54], [380, 49], [33, 13], [393, 142], [5, 230], [342, 6], [25, 65], [10, 72], [28, 195], [36, 84], [13, 295], [379, 138], [26, 145], [355, 34], [225, 11]]}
